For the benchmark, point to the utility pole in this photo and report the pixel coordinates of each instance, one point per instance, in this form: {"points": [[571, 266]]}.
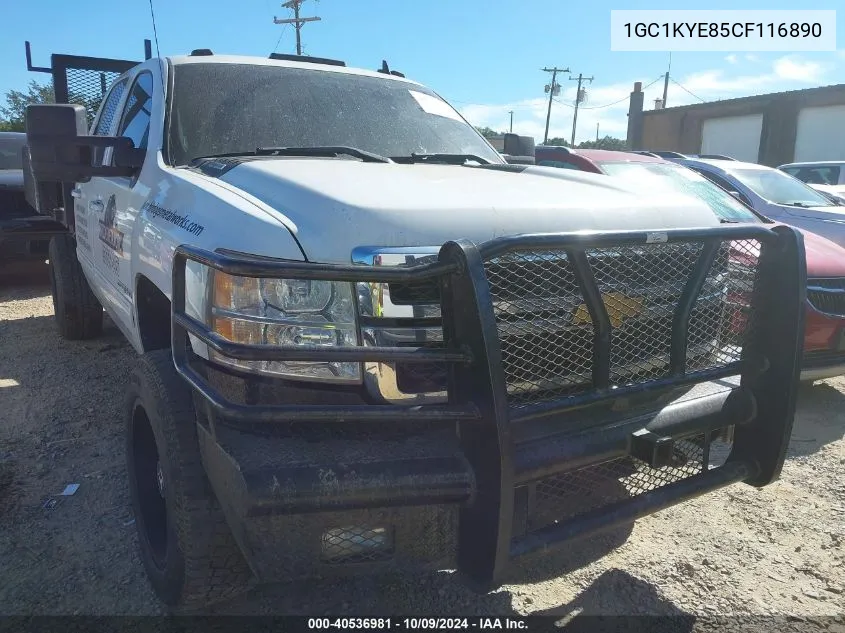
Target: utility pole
{"points": [[578, 99], [511, 113], [666, 81], [553, 89], [597, 131], [296, 21]]}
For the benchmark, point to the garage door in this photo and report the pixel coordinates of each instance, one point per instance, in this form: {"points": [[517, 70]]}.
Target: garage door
{"points": [[735, 136], [821, 134]]}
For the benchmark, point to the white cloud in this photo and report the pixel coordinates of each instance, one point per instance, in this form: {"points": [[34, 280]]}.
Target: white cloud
{"points": [[731, 59], [751, 57], [790, 69], [786, 72]]}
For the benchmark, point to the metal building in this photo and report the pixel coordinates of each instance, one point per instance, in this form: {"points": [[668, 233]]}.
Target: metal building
{"points": [[771, 129]]}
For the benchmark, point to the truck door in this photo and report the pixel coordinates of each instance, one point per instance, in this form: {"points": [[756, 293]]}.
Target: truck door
{"points": [[86, 195], [118, 202]]}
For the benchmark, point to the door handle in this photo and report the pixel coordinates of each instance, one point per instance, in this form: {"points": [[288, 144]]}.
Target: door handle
{"points": [[76, 192], [95, 206]]}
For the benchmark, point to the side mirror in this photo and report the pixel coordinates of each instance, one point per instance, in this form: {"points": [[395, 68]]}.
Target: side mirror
{"points": [[44, 197], [62, 151], [130, 157]]}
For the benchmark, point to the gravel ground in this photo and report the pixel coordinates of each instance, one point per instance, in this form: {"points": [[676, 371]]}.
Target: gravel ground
{"points": [[775, 551]]}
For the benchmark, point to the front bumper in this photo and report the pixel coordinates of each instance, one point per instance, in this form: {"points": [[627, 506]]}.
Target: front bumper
{"points": [[824, 345], [296, 480], [822, 364]]}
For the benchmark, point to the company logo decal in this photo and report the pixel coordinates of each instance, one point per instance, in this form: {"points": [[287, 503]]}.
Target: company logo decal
{"points": [[181, 221], [109, 235]]}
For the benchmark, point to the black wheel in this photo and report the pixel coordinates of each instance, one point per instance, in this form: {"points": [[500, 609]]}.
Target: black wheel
{"points": [[187, 548], [78, 313]]}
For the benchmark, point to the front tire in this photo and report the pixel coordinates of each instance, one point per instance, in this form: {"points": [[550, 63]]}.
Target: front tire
{"points": [[187, 548], [79, 315]]}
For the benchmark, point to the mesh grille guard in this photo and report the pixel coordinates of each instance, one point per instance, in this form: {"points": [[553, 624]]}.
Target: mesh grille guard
{"points": [[605, 283]]}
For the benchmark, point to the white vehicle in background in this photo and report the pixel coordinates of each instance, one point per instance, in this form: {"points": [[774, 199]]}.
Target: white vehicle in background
{"points": [[828, 177], [830, 173], [775, 194]]}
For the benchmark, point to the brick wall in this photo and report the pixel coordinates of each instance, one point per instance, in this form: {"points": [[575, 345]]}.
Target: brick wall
{"points": [[679, 129]]}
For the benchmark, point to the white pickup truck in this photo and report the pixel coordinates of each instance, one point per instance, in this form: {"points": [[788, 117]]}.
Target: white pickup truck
{"points": [[366, 342]]}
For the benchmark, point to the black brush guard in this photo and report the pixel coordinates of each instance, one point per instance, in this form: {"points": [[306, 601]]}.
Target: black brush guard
{"points": [[761, 407]]}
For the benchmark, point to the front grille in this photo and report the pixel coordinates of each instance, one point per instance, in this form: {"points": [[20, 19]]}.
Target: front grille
{"points": [[827, 295], [632, 279], [822, 357], [535, 296], [546, 332], [421, 377], [567, 495], [356, 544], [415, 293]]}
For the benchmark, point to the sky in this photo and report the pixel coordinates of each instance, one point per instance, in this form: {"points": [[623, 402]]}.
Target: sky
{"points": [[483, 56]]}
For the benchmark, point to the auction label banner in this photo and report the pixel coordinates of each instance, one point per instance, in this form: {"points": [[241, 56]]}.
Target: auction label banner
{"points": [[723, 30], [570, 623]]}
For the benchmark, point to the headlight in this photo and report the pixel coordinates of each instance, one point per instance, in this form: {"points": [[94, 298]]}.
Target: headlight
{"points": [[285, 312]]}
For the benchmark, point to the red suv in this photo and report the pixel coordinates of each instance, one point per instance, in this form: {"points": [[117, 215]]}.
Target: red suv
{"points": [[824, 340]]}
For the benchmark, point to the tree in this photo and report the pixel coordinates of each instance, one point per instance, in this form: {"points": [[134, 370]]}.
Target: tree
{"points": [[558, 142], [12, 114], [608, 142], [488, 132]]}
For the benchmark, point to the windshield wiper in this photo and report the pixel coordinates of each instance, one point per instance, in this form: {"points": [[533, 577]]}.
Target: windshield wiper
{"points": [[450, 159], [323, 150], [317, 151], [797, 204]]}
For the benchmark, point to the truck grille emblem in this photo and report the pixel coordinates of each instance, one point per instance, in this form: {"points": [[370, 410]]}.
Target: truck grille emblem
{"points": [[619, 307]]}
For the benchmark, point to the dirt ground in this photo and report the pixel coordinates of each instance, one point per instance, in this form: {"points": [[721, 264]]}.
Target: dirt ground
{"points": [[775, 551]]}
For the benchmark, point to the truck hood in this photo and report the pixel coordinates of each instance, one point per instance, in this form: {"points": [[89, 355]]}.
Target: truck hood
{"points": [[824, 258], [333, 206], [830, 214]]}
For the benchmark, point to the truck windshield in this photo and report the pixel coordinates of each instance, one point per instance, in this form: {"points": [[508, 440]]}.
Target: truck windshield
{"points": [[11, 146], [780, 188], [222, 108], [684, 180]]}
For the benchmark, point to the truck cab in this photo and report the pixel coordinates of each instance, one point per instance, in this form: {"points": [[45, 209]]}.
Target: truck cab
{"points": [[367, 342]]}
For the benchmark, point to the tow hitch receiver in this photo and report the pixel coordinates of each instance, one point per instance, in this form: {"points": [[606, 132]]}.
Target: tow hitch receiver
{"points": [[653, 449]]}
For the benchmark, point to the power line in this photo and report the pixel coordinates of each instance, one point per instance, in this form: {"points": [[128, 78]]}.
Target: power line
{"points": [[553, 88], [607, 105], [278, 41], [687, 91], [295, 20], [579, 97]]}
